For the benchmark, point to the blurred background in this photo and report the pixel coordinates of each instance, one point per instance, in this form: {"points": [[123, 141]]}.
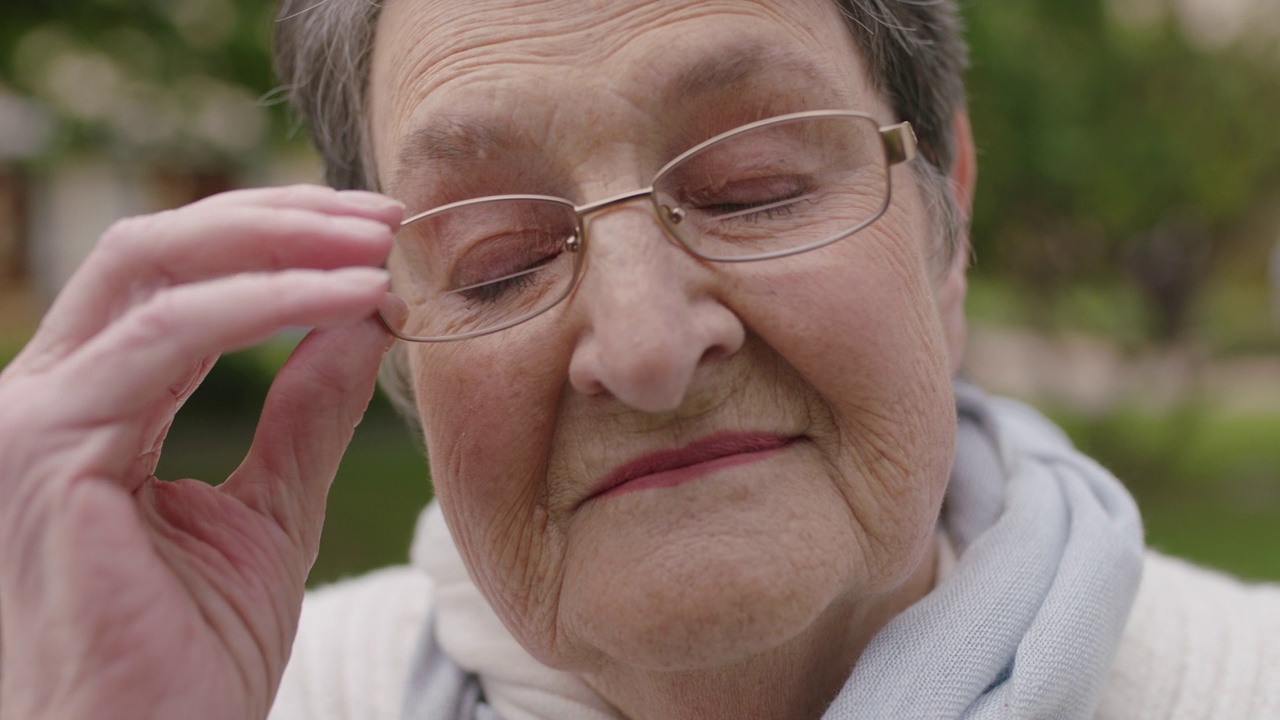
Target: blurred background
{"points": [[1127, 235]]}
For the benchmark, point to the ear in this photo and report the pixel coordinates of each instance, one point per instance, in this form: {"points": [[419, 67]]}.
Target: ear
{"points": [[964, 166], [952, 286]]}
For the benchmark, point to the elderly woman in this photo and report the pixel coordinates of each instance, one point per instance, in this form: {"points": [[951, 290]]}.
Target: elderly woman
{"points": [[678, 297]]}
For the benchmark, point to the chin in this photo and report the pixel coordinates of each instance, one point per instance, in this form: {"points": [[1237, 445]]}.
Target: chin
{"points": [[692, 606]]}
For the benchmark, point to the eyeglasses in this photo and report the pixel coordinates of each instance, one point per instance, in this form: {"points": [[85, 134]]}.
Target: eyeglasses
{"points": [[769, 189]]}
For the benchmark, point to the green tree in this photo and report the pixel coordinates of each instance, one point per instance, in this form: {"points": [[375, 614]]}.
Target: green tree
{"points": [[180, 81], [1112, 150]]}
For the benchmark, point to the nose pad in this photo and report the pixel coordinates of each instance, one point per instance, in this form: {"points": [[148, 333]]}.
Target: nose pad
{"points": [[653, 317]]}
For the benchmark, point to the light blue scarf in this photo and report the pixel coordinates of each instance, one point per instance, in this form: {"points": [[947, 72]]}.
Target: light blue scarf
{"points": [[1026, 626]]}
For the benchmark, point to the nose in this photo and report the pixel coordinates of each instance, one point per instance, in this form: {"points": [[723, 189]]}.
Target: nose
{"points": [[654, 314]]}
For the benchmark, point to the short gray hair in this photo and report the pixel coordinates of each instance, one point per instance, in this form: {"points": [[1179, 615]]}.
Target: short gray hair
{"points": [[914, 51]]}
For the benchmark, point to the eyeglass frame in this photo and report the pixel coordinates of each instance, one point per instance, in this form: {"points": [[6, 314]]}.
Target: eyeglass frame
{"points": [[899, 143]]}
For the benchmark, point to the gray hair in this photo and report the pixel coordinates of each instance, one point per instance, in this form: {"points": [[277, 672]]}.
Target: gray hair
{"points": [[913, 49]]}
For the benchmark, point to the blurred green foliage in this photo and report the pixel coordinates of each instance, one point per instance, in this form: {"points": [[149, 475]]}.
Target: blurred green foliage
{"points": [[1208, 483], [1088, 123], [145, 80], [381, 485], [1120, 152]]}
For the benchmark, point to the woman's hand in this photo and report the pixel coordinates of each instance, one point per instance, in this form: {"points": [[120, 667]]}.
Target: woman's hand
{"points": [[122, 596]]}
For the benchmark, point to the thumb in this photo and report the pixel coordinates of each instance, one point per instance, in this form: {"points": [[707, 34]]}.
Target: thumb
{"points": [[311, 412]]}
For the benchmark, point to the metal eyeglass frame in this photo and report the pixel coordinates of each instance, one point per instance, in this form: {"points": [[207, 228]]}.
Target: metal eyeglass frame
{"points": [[899, 142]]}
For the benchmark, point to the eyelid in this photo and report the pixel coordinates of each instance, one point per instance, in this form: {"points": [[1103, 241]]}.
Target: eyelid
{"points": [[495, 281], [536, 251], [783, 202]]}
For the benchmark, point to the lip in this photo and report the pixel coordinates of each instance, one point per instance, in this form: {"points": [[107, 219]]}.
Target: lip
{"points": [[668, 468]]}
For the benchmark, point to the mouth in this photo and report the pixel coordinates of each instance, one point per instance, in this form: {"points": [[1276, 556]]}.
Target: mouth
{"points": [[668, 468]]}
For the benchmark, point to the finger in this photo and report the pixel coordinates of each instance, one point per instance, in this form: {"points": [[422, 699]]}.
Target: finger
{"points": [[309, 417], [131, 365], [137, 257], [317, 198]]}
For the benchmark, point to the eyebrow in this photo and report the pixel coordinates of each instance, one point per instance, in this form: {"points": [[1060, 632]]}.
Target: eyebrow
{"points": [[462, 138], [739, 66], [452, 138]]}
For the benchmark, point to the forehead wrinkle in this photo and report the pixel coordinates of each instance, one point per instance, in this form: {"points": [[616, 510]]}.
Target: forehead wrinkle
{"points": [[476, 47], [453, 39], [459, 138]]}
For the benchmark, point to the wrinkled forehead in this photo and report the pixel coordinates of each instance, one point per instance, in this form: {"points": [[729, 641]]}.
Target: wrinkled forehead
{"points": [[460, 75]]}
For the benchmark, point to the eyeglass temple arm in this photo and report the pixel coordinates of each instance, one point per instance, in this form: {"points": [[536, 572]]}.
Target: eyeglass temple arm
{"points": [[899, 142]]}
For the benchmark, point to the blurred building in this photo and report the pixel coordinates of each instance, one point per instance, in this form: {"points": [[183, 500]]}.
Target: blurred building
{"points": [[112, 109], [24, 129], [53, 211]]}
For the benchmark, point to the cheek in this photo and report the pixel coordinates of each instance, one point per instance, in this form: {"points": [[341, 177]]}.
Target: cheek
{"points": [[488, 416], [869, 345]]}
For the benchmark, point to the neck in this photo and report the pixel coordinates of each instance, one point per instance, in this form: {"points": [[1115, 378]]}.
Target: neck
{"points": [[794, 681]]}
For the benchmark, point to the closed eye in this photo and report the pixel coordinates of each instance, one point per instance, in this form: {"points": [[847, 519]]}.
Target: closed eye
{"points": [[750, 211], [491, 291]]}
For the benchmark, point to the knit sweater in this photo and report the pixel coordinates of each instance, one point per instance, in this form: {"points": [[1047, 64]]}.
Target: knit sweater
{"points": [[1198, 644]]}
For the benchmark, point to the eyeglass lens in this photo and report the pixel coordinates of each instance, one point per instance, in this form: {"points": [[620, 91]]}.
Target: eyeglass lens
{"points": [[770, 190]]}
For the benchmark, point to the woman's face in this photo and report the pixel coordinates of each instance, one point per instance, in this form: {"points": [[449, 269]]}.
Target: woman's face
{"points": [[787, 425]]}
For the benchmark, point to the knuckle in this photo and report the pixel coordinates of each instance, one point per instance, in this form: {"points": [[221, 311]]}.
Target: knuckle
{"points": [[125, 234], [157, 319], [133, 252], [131, 243]]}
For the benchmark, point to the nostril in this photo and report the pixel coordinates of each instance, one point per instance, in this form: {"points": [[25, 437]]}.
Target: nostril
{"points": [[715, 352]]}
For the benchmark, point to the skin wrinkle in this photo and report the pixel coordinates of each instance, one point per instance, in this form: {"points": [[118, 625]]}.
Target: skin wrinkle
{"points": [[864, 509], [878, 446], [718, 77], [26, 549], [103, 436], [504, 522], [464, 62], [174, 539], [823, 340], [103, 638]]}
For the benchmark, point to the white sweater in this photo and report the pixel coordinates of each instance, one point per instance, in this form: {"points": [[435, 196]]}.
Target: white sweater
{"points": [[1199, 644], [351, 655]]}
